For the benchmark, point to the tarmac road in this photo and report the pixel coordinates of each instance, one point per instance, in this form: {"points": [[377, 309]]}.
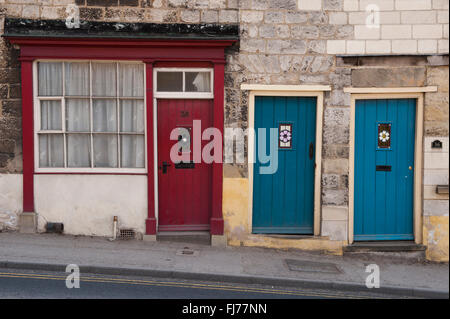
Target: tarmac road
{"points": [[16, 284]]}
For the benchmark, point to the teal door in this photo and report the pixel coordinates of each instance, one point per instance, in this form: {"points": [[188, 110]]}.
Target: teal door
{"points": [[384, 169], [283, 202]]}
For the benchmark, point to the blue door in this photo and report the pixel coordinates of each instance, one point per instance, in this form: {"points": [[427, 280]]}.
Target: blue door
{"points": [[283, 202], [384, 169]]}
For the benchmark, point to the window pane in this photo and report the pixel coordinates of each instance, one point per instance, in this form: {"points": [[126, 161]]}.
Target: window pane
{"points": [[132, 116], [51, 118], [170, 82], [198, 81], [50, 78], [51, 150], [132, 150], [184, 139], [77, 78], [78, 150], [104, 115], [105, 150], [131, 78], [77, 115], [104, 79]]}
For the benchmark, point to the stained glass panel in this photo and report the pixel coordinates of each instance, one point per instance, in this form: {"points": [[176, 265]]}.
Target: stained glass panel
{"points": [[285, 140], [384, 135]]}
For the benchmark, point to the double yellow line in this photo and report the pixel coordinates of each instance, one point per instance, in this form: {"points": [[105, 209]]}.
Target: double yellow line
{"points": [[179, 285]]}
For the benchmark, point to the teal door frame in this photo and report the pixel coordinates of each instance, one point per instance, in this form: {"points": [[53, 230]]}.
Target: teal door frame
{"points": [[391, 93], [286, 91]]}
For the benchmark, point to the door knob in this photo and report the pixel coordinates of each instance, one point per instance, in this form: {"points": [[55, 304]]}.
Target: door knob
{"points": [[410, 168]]}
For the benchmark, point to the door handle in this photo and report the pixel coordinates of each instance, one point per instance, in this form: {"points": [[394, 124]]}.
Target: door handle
{"points": [[311, 151], [164, 167]]}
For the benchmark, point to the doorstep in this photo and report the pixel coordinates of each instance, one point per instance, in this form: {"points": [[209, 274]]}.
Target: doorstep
{"points": [[402, 251], [384, 246], [191, 237]]}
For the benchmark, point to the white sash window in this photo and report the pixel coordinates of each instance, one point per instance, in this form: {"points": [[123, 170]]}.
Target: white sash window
{"points": [[90, 116]]}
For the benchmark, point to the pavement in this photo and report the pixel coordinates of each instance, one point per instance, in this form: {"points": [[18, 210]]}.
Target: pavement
{"points": [[245, 265]]}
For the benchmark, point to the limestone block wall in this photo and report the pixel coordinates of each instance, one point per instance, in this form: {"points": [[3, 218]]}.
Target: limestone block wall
{"points": [[10, 108], [436, 206], [404, 26], [166, 11]]}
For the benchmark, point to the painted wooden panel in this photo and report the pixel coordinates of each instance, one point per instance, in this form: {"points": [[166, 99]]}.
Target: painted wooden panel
{"points": [[384, 169], [283, 202], [184, 193]]}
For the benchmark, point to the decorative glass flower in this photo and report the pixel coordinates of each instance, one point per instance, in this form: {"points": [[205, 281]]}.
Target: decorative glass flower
{"points": [[384, 136], [285, 136]]}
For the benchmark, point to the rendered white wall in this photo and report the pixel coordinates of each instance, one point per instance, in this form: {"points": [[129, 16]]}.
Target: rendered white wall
{"points": [[10, 200], [86, 204]]}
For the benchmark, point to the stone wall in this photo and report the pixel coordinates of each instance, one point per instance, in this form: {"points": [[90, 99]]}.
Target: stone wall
{"points": [[405, 26], [162, 11], [10, 108], [436, 165]]}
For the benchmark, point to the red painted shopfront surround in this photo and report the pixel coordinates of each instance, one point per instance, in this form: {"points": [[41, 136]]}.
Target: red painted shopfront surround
{"points": [[161, 53]]}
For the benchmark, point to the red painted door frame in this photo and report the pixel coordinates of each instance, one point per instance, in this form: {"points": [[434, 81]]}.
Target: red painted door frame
{"points": [[148, 51]]}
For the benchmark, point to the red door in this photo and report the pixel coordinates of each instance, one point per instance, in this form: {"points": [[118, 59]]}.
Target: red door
{"points": [[184, 189]]}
